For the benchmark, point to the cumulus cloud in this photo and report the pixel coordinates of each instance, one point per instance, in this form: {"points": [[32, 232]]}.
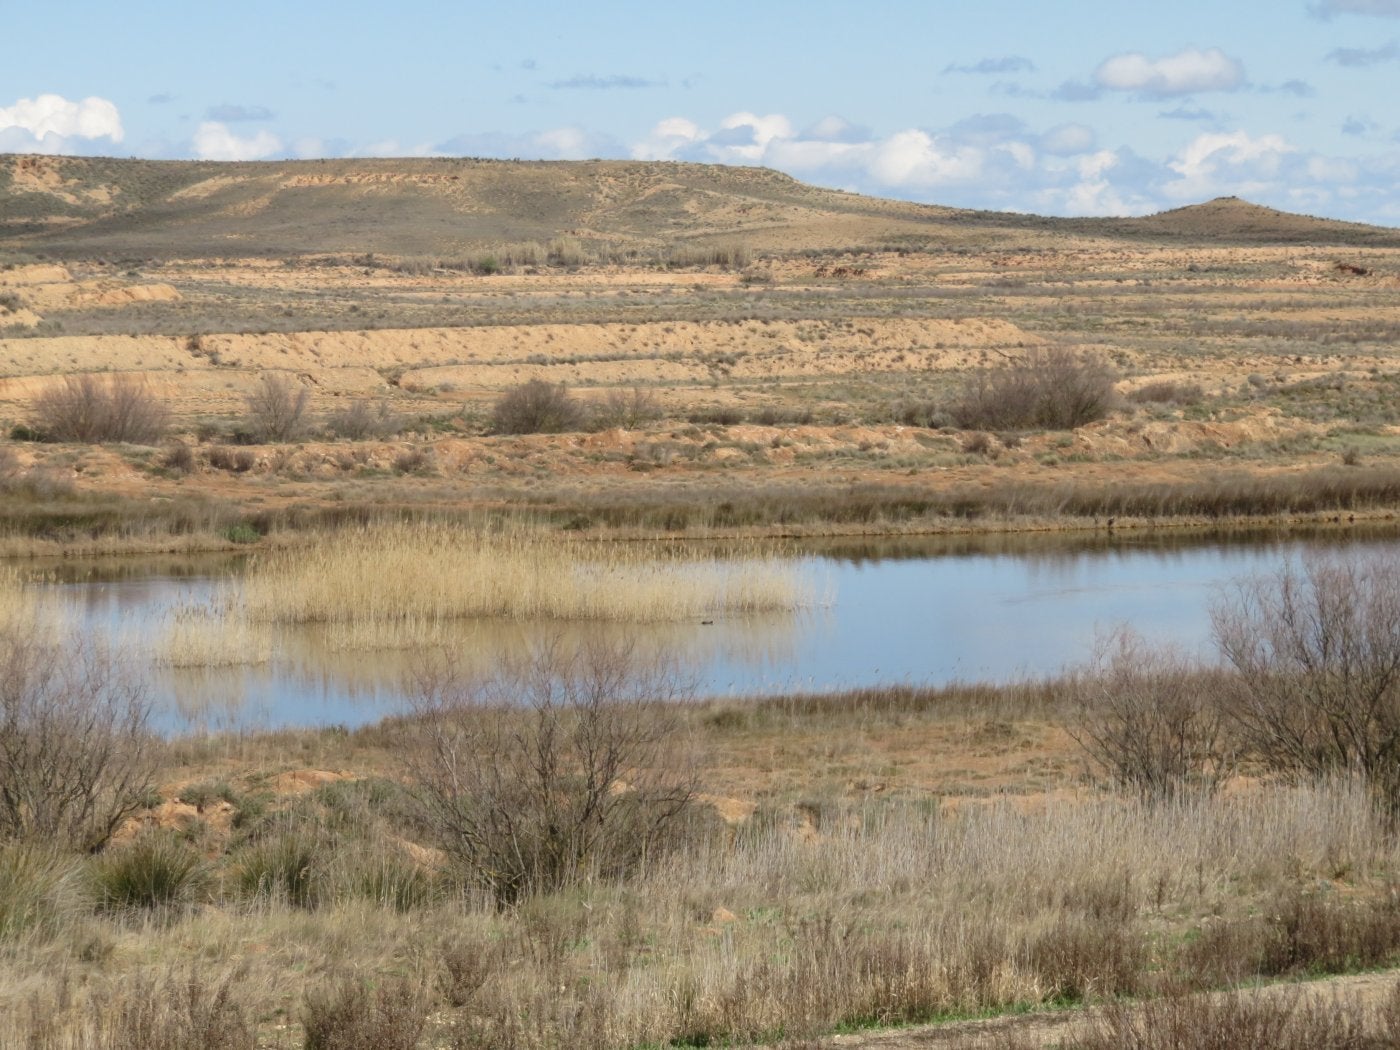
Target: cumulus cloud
{"points": [[1003, 64], [54, 124], [231, 114], [1217, 163], [1360, 57], [592, 82], [214, 141], [1183, 73], [1383, 8]]}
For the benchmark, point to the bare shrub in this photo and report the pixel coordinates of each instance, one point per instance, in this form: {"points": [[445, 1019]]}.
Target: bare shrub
{"points": [[352, 1015], [557, 768], [76, 758], [362, 419], [277, 408], [1152, 720], [536, 407], [1317, 649], [86, 409], [626, 408], [1050, 388]]}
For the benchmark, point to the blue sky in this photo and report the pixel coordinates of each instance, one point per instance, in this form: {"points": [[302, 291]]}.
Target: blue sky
{"points": [[1060, 108]]}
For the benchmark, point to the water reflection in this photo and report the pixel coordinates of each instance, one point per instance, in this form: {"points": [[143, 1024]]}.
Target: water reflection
{"points": [[916, 611]]}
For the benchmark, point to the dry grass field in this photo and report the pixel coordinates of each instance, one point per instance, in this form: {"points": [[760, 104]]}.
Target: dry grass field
{"points": [[343, 365]]}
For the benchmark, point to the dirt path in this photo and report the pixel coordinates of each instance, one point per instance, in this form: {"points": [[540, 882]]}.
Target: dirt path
{"points": [[1053, 1028]]}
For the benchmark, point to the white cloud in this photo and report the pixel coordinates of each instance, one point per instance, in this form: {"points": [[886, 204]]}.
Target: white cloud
{"points": [[668, 138], [1218, 163], [214, 141], [54, 124], [1183, 73]]}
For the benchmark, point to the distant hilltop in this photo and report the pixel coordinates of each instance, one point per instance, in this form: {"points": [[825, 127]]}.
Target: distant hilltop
{"points": [[74, 207]]}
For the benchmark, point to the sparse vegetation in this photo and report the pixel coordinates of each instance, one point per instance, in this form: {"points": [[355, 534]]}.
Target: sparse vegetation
{"points": [[536, 407], [89, 410], [277, 408], [1051, 388]]}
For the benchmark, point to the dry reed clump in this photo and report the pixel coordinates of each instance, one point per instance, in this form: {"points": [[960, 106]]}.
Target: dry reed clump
{"points": [[423, 573]]}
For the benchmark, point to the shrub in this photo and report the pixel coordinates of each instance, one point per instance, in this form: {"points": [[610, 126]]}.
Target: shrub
{"points": [[157, 870], [557, 768], [1317, 649], [351, 1015], [1153, 721], [178, 458], [233, 460], [76, 758], [277, 409], [1050, 388], [626, 408], [536, 407], [289, 868], [361, 419], [85, 409]]}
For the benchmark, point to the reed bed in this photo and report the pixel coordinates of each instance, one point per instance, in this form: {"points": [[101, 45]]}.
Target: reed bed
{"points": [[414, 575], [211, 634]]}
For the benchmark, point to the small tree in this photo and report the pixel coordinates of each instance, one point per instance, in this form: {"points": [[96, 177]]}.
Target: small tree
{"points": [[76, 756], [536, 407], [1050, 388], [86, 409], [557, 768], [277, 408], [1317, 649]]}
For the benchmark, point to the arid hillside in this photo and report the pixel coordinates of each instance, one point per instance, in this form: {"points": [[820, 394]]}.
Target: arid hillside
{"points": [[77, 207]]}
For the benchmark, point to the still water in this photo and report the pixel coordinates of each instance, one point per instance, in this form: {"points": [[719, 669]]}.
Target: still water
{"points": [[933, 611]]}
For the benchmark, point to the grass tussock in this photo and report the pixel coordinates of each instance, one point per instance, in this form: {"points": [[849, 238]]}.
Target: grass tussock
{"points": [[424, 573]]}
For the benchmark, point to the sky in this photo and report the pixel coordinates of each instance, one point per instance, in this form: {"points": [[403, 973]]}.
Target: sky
{"points": [[1046, 106]]}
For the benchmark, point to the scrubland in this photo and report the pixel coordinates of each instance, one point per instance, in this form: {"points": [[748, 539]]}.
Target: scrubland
{"points": [[568, 849]]}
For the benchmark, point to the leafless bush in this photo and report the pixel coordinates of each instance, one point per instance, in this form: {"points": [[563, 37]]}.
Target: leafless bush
{"points": [[1153, 721], [277, 408], [1317, 649], [626, 408], [557, 768], [352, 1015], [536, 407], [75, 755], [1051, 388], [362, 419], [86, 409]]}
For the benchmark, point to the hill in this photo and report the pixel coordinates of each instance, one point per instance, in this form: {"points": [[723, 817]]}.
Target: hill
{"points": [[76, 207]]}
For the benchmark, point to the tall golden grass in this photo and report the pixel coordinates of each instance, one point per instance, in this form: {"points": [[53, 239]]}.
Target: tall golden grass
{"points": [[414, 575]]}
